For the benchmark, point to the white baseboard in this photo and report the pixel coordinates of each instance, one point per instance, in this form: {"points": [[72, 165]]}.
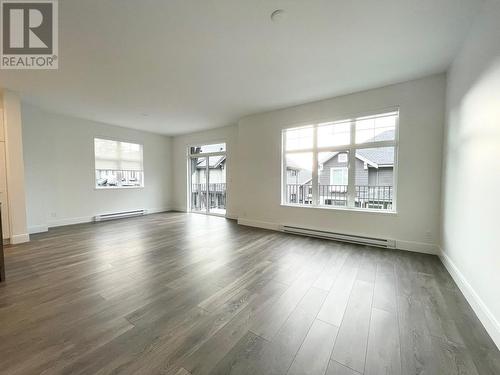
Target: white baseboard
{"points": [[19, 238], [482, 311], [418, 247], [38, 229], [158, 210], [81, 220], [260, 224], [70, 221], [179, 209]]}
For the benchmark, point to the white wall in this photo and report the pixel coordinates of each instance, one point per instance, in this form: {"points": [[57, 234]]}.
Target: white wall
{"points": [[226, 134], [416, 226], [471, 179], [59, 170]]}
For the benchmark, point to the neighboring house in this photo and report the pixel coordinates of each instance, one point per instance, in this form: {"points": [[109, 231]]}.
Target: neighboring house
{"points": [[374, 176], [216, 167]]}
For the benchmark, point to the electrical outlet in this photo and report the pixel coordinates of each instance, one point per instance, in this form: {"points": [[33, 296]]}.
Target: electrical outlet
{"points": [[53, 214]]}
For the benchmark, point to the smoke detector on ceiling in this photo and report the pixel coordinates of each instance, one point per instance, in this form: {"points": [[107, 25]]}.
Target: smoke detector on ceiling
{"points": [[278, 15]]}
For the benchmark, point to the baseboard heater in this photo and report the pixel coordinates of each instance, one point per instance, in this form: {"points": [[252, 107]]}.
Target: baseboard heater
{"points": [[361, 240], [119, 215]]}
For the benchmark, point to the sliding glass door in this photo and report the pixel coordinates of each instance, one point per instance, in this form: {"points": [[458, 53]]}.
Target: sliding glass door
{"points": [[198, 185], [207, 187]]}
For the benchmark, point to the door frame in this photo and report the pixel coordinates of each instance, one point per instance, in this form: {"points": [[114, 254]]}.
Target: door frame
{"points": [[207, 173]]}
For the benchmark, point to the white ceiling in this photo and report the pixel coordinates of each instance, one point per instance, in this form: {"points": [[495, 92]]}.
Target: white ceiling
{"points": [[192, 65]]}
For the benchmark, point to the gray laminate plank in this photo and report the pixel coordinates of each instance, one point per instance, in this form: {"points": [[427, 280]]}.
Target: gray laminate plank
{"points": [[327, 278], [417, 356], [383, 353], [437, 316], [452, 359], [254, 355], [314, 354], [335, 368], [384, 296], [338, 297], [350, 347], [204, 359], [268, 322]]}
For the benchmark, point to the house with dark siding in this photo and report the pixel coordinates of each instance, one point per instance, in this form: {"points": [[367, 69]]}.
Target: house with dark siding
{"points": [[374, 178]]}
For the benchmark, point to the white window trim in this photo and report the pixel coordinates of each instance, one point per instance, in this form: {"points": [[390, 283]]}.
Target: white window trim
{"points": [[351, 149]]}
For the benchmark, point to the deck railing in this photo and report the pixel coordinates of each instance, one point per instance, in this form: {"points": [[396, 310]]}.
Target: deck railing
{"points": [[376, 197], [333, 195], [366, 196], [216, 196], [118, 177], [299, 194]]}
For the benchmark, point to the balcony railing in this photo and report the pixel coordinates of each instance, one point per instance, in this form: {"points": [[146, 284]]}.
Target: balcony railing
{"points": [[366, 196], [216, 196], [377, 197], [299, 194], [118, 178], [333, 195]]}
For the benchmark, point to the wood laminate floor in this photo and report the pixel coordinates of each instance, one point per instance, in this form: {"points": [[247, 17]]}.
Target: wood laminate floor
{"points": [[188, 294]]}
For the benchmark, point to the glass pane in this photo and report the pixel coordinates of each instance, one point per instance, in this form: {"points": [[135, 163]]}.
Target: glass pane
{"points": [[374, 181], [298, 182], [198, 184], [108, 178], [299, 138], [376, 128], [217, 184], [204, 149], [334, 134], [333, 178]]}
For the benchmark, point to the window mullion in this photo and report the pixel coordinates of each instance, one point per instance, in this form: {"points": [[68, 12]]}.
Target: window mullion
{"points": [[284, 186], [351, 189], [315, 185]]}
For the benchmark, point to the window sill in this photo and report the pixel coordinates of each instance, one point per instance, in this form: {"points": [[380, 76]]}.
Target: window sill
{"points": [[358, 210], [117, 187]]}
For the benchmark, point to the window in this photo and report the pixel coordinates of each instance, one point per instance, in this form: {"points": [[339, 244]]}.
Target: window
{"points": [[342, 158], [350, 163], [118, 164], [338, 176]]}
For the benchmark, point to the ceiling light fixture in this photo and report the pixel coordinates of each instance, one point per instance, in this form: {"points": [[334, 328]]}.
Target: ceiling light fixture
{"points": [[277, 15]]}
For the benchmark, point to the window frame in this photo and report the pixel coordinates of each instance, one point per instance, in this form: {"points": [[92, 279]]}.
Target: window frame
{"points": [[343, 170], [190, 155], [96, 187], [351, 150]]}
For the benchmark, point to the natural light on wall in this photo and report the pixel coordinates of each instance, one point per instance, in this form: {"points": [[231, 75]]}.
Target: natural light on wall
{"points": [[118, 164], [343, 164]]}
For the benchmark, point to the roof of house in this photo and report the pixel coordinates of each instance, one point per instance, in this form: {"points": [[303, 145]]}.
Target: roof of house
{"points": [[380, 156], [213, 162], [376, 157]]}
